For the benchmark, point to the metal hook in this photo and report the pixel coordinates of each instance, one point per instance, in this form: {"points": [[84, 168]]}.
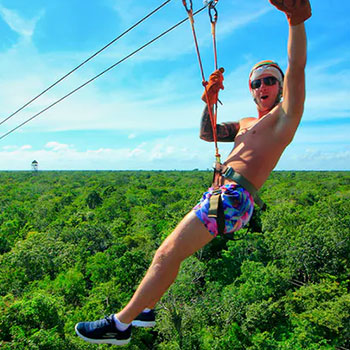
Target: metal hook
{"points": [[190, 8], [213, 13]]}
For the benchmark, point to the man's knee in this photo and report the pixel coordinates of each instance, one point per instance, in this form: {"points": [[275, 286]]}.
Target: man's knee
{"points": [[166, 254], [189, 236]]}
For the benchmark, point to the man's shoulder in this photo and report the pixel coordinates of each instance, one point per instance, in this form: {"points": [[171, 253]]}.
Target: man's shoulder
{"points": [[247, 120]]}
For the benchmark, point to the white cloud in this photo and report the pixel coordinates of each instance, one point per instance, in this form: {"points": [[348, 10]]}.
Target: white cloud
{"points": [[328, 104], [246, 15], [56, 146], [20, 25], [326, 134], [158, 154], [119, 109], [173, 152], [318, 157], [9, 147], [26, 147], [322, 156], [327, 91], [181, 38]]}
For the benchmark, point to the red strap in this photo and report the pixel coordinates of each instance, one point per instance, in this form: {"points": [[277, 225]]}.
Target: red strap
{"points": [[212, 114]]}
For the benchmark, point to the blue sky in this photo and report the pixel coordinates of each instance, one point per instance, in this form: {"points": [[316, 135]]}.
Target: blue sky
{"points": [[145, 113]]}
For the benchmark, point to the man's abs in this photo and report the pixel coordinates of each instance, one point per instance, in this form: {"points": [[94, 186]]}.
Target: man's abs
{"points": [[256, 152]]}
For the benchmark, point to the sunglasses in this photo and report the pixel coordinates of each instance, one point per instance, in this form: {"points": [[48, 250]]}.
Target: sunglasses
{"points": [[269, 81]]}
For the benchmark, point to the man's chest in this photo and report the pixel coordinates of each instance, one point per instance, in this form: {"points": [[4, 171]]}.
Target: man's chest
{"points": [[256, 128]]}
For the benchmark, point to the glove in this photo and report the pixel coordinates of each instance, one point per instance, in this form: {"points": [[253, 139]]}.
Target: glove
{"points": [[297, 11], [214, 86]]}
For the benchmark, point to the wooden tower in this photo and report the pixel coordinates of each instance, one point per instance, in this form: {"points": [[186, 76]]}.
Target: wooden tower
{"points": [[35, 165]]}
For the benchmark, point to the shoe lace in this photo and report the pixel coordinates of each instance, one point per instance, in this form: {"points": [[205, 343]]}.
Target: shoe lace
{"points": [[109, 319]]}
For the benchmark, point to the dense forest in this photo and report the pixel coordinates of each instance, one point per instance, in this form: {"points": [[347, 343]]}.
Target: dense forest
{"points": [[74, 246]]}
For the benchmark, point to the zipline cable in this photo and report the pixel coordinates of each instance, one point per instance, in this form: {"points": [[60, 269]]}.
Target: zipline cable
{"points": [[103, 72], [87, 60]]}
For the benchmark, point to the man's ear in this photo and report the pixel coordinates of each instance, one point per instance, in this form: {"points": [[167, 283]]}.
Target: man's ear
{"points": [[280, 94]]}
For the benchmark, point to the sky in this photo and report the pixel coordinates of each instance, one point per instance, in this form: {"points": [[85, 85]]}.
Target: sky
{"points": [[145, 113]]}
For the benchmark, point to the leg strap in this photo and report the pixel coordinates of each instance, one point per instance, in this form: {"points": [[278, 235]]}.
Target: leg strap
{"points": [[216, 210]]}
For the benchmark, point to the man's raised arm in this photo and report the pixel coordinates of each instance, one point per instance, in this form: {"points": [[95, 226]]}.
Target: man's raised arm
{"points": [[294, 83], [297, 12]]}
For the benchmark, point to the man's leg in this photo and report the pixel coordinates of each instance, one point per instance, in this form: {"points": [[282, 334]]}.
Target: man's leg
{"points": [[187, 238]]}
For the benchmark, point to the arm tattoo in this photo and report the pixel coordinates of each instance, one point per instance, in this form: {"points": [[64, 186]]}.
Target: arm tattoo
{"points": [[226, 132], [206, 130]]}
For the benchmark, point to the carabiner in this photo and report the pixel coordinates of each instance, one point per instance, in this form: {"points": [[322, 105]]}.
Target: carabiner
{"points": [[211, 2], [213, 13], [188, 9]]}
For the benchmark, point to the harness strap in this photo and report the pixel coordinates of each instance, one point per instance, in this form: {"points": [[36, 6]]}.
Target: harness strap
{"points": [[229, 173], [216, 210]]}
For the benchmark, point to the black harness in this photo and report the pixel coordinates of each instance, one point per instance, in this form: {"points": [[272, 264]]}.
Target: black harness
{"points": [[216, 209]]}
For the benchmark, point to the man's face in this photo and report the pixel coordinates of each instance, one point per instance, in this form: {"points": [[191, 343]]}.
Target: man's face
{"points": [[265, 95]]}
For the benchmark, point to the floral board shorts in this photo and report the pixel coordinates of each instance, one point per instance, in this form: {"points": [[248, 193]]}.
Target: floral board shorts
{"points": [[238, 206]]}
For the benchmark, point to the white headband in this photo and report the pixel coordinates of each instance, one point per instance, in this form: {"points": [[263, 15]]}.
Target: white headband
{"points": [[275, 72]]}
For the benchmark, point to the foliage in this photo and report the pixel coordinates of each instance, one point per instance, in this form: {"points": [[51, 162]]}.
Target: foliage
{"points": [[75, 245]]}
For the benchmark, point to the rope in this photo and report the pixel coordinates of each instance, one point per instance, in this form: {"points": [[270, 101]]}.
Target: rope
{"points": [[213, 116], [87, 60], [213, 16], [103, 72]]}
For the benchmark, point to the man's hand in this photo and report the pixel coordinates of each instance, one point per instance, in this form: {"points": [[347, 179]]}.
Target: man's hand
{"points": [[297, 11], [214, 86]]}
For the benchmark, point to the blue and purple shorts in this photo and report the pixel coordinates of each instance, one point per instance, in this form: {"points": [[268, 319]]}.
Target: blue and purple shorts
{"points": [[238, 206]]}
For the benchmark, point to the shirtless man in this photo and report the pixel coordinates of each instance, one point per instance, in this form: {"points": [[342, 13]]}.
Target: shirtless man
{"points": [[259, 143]]}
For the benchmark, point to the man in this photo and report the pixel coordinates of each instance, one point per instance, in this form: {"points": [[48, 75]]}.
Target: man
{"points": [[259, 143]]}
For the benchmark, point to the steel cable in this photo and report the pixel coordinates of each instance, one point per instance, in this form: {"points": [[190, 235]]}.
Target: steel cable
{"points": [[87, 60], [103, 72]]}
